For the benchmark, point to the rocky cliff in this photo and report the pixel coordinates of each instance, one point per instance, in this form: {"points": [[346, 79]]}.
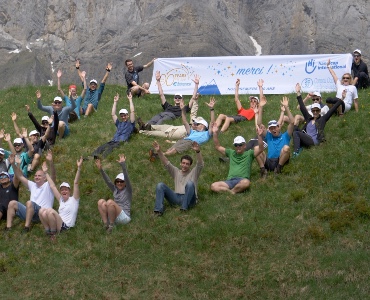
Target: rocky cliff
{"points": [[40, 36]]}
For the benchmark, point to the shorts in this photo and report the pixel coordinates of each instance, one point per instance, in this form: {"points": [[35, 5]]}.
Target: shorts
{"points": [[3, 210], [234, 181], [252, 143], [21, 212], [122, 218], [66, 131], [238, 118], [182, 145], [271, 163]]}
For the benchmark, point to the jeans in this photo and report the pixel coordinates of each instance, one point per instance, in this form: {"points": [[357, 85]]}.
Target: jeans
{"points": [[186, 200]]}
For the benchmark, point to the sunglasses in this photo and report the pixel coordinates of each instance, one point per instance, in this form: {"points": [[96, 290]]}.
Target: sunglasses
{"points": [[315, 99], [346, 78], [44, 122], [315, 110], [123, 115], [17, 145], [253, 100], [178, 97], [238, 145], [3, 176], [120, 181], [356, 55], [57, 102]]}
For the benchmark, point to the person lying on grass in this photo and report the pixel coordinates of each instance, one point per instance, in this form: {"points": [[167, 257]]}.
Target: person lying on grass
{"points": [[54, 222], [116, 211]]}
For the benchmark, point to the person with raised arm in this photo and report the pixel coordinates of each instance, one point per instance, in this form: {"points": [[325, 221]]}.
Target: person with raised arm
{"points": [[54, 222], [132, 78], [116, 210]]}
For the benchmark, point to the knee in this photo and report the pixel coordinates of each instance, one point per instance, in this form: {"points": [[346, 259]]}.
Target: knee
{"points": [[29, 205], [221, 117], [61, 124], [160, 186], [286, 149], [110, 202], [190, 185], [245, 183], [13, 205], [146, 85], [101, 202], [214, 187]]}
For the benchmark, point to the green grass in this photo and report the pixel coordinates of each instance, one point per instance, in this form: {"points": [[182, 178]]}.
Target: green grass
{"points": [[302, 235]]}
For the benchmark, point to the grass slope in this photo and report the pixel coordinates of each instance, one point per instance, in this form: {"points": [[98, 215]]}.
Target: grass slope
{"points": [[304, 234]]}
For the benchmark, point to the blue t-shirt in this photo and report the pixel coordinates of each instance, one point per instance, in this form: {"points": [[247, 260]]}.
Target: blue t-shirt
{"points": [[198, 136], [68, 102], [275, 144], [93, 97], [124, 130]]}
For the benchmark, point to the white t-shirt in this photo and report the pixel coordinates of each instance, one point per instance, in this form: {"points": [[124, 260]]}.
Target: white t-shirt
{"points": [[68, 210], [42, 196], [351, 94]]}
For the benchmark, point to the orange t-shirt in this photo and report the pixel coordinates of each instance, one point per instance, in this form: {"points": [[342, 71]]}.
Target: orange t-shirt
{"points": [[246, 113]]}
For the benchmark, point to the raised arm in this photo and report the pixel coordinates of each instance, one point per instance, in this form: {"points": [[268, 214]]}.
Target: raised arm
{"points": [[237, 101], [49, 158], [114, 108], [122, 162], [262, 102], [183, 117], [285, 103], [216, 142], [7, 139], [79, 72], [194, 97], [47, 133], [301, 105], [76, 187], [33, 119], [50, 181], [11, 159], [259, 150], [107, 180], [160, 90], [17, 172], [108, 68], [195, 146], [14, 119], [149, 63], [47, 109], [83, 77], [161, 156], [24, 136], [59, 74], [332, 73], [211, 105], [132, 108]]}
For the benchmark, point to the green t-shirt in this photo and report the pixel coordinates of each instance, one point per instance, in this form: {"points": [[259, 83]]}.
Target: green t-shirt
{"points": [[240, 164]]}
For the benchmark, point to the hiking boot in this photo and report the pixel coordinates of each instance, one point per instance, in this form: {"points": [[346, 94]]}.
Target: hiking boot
{"points": [[296, 153], [263, 173], [110, 229]]}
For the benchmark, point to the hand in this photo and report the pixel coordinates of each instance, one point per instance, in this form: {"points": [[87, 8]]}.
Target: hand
{"points": [[7, 137], [24, 133], [328, 63], [109, 67], [344, 94], [263, 101], [196, 97], [195, 146], [98, 163], [122, 158], [255, 110], [260, 130], [196, 79], [214, 128], [27, 107], [116, 98], [237, 83], [156, 146], [2, 132], [44, 167], [51, 120], [298, 88], [212, 102], [182, 105], [11, 158], [285, 101], [282, 108], [14, 116], [59, 73], [77, 63], [49, 156], [79, 162], [83, 75], [17, 159], [260, 82], [158, 76], [129, 96], [38, 94]]}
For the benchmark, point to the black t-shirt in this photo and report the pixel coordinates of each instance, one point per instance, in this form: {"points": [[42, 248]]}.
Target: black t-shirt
{"points": [[6, 195], [176, 110], [133, 76]]}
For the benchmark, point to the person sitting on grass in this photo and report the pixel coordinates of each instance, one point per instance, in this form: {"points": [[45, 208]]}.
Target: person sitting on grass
{"points": [[41, 196], [345, 84], [9, 190], [186, 181], [125, 127], [197, 133], [239, 177], [132, 78], [170, 112], [45, 122], [243, 114], [54, 222], [312, 133], [116, 210], [63, 113], [93, 95], [72, 94]]}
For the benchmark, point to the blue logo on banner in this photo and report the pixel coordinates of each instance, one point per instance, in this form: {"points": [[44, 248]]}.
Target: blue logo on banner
{"points": [[310, 66], [307, 83], [209, 89]]}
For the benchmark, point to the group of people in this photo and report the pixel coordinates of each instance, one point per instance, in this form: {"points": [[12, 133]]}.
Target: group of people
{"points": [[18, 161]]}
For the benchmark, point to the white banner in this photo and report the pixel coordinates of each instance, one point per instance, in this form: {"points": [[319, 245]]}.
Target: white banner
{"points": [[279, 72]]}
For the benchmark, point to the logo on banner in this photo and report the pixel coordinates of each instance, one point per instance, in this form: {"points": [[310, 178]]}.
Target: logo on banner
{"points": [[310, 66], [177, 77], [307, 83]]}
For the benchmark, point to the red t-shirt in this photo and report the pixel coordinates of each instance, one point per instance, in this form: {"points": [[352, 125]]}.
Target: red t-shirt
{"points": [[246, 113]]}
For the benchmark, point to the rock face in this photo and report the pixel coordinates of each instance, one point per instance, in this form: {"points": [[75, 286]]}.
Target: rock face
{"points": [[40, 36]]}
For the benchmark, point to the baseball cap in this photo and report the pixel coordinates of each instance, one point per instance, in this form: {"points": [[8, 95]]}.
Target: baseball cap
{"points": [[239, 140], [18, 141], [315, 105], [2, 151], [317, 94], [33, 132], [201, 121], [45, 118], [272, 123], [123, 111], [57, 98], [180, 95], [5, 173], [72, 86], [65, 184], [93, 81], [120, 176], [358, 51], [254, 97]]}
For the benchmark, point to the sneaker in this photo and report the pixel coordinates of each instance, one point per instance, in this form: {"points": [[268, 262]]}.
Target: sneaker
{"points": [[147, 127], [110, 229], [278, 169], [152, 155], [224, 159], [263, 173]]}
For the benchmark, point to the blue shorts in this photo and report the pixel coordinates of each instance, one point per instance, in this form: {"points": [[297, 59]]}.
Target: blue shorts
{"points": [[233, 181], [66, 131], [21, 211]]}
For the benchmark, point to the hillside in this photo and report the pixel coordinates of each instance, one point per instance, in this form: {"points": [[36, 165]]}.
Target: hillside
{"points": [[301, 235]]}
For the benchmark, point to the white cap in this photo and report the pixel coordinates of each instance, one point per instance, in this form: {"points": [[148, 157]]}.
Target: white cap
{"points": [[120, 176], [18, 141], [57, 98], [178, 95], [123, 111], [254, 97], [358, 51], [65, 184], [239, 140], [317, 94], [272, 123], [200, 120], [45, 118], [93, 81], [34, 132], [315, 105]]}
